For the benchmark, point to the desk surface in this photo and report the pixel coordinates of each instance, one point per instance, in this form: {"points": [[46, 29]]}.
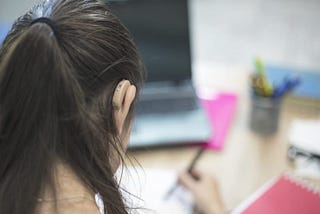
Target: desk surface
{"points": [[248, 160]]}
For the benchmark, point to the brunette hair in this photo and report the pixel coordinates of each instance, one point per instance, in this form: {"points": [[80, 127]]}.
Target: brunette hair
{"points": [[56, 88]]}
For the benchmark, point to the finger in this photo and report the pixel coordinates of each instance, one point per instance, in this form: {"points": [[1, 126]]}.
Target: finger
{"points": [[196, 174], [186, 180]]}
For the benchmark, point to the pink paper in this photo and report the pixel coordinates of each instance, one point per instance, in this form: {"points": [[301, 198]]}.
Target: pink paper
{"points": [[220, 112]]}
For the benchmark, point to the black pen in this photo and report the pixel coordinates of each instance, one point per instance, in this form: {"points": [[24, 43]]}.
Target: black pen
{"points": [[189, 170], [294, 152]]}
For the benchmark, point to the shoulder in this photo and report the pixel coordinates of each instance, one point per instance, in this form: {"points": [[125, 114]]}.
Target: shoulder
{"points": [[72, 196], [66, 206]]}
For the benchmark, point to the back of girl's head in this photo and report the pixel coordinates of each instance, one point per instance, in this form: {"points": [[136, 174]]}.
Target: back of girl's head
{"points": [[56, 87]]}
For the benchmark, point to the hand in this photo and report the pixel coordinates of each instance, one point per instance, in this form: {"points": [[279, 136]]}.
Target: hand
{"points": [[205, 191]]}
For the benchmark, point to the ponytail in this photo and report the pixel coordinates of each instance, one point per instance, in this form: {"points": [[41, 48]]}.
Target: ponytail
{"points": [[56, 85], [33, 95]]}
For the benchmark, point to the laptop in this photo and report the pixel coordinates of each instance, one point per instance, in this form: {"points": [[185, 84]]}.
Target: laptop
{"points": [[168, 111]]}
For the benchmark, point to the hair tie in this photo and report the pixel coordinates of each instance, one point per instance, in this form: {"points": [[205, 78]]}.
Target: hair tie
{"points": [[47, 21]]}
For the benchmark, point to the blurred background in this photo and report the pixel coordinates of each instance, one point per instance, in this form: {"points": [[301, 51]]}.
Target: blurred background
{"points": [[283, 32], [226, 38]]}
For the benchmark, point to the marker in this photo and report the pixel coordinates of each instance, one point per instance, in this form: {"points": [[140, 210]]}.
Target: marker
{"points": [[189, 170], [264, 85]]}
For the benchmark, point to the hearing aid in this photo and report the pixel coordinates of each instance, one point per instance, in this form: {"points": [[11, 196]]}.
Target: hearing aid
{"points": [[119, 93]]}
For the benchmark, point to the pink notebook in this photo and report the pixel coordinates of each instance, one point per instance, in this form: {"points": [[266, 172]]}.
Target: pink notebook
{"points": [[282, 196], [220, 112]]}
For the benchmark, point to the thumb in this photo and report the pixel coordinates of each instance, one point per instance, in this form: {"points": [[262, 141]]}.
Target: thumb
{"points": [[186, 180]]}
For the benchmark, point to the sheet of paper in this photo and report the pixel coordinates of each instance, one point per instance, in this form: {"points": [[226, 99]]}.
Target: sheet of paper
{"points": [[305, 167], [146, 189], [304, 134]]}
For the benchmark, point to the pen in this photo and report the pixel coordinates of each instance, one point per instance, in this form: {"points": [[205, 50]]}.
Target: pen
{"points": [[263, 85], [287, 86], [189, 170], [257, 86], [259, 67], [294, 152]]}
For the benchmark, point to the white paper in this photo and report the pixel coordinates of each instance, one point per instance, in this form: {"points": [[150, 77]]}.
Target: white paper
{"points": [[305, 134], [148, 188]]}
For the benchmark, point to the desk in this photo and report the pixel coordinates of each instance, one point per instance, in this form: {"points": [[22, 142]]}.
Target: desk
{"points": [[247, 161]]}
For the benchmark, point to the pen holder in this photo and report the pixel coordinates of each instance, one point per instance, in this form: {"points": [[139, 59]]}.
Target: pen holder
{"points": [[264, 115]]}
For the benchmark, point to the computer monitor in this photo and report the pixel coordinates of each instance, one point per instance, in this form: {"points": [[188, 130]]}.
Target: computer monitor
{"points": [[161, 31]]}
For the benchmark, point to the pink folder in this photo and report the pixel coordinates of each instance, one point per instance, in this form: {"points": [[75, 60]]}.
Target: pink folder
{"points": [[220, 111]]}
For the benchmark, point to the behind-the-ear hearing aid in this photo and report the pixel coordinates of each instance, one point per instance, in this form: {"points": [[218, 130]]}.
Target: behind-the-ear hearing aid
{"points": [[119, 93]]}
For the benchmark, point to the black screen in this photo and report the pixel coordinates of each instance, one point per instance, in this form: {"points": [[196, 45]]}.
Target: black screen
{"points": [[161, 31]]}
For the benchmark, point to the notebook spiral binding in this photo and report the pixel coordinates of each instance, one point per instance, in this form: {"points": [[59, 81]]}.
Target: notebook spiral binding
{"points": [[303, 183]]}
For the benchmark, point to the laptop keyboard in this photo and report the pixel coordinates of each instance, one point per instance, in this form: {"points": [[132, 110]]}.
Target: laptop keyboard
{"points": [[168, 105]]}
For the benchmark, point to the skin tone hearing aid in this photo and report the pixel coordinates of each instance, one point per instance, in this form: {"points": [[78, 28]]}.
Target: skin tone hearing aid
{"points": [[119, 93], [123, 96]]}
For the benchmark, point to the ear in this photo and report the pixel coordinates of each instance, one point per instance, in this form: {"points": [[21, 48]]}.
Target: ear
{"points": [[122, 99]]}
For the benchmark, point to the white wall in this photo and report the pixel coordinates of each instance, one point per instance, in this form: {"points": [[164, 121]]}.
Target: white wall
{"points": [[284, 32], [11, 9]]}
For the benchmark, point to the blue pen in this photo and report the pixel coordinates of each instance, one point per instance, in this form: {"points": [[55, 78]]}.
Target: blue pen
{"points": [[281, 88], [288, 85]]}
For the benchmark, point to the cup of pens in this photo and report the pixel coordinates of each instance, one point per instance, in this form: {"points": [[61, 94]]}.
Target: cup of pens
{"points": [[266, 100]]}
